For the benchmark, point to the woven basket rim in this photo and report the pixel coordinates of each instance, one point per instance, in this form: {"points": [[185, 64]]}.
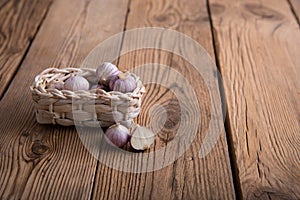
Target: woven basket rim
{"points": [[38, 86]]}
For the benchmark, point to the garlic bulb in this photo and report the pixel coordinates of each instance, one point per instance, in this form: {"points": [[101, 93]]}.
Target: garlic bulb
{"points": [[142, 138], [75, 83], [124, 82], [117, 134], [105, 72]]}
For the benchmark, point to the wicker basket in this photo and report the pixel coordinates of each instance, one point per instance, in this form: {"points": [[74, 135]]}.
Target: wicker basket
{"points": [[85, 108]]}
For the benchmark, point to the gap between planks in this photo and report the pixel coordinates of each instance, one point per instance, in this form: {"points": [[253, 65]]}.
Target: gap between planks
{"points": [[31, 39], [294, 11], [124, 29], [132, 23], [231, 153], [277, 186], [118, 60], [57, 45]]}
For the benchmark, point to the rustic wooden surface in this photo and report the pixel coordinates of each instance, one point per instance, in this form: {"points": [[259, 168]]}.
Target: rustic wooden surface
{"points": [[185, 179], [20, 21], [295, 7], [257, 51], [49, 162], [256, 46]]}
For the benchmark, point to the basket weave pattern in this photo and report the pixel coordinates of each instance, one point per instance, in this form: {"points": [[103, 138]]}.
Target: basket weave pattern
{"points": [[84, 108]]}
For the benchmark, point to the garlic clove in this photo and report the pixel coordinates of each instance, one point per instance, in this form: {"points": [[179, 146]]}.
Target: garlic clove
{"points": [[123, 82], [105, 72], [112, 82], [142, 138], [75, 83], [118, 135]]}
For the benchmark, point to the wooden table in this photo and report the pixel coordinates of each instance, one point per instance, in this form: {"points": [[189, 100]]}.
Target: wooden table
{"points": [[256, 47]]}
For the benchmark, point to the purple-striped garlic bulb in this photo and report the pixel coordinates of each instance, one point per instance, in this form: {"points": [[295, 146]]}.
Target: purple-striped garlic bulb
{"points": [[124, 83], [105, 72]]}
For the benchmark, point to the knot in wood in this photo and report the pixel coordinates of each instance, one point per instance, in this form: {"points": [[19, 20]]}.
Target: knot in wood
{"points": [[263, 12], [217, 8], [39, 149]]}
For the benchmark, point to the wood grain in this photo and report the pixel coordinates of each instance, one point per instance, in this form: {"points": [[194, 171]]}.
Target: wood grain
{"points": [[20, 21], [189, 177], [295, 6], [50, 162], [258, 43]]}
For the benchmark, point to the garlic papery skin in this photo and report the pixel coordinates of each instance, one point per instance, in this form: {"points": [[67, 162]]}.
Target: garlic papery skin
{"points": [[142, 138], [118, 135], [75, 83], [105, 72], [124, 83]]}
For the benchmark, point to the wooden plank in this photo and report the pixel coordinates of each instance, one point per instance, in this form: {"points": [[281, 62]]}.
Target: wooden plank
{"points": [[50, 162], [258, 43], [295, 6], [20, 21], [189, 177]]}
